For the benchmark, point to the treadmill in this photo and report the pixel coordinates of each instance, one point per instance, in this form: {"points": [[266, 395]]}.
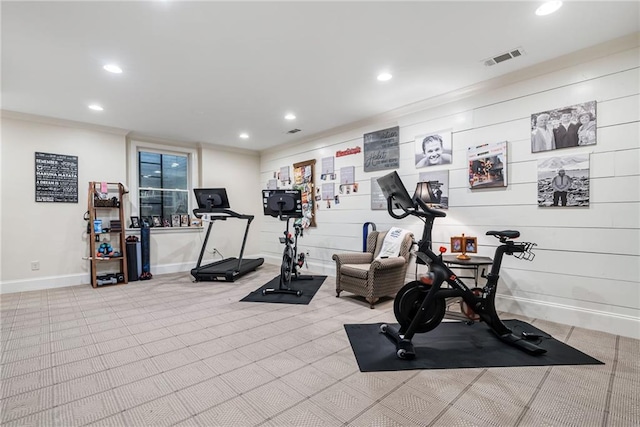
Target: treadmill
{"points": [[213, 205]]}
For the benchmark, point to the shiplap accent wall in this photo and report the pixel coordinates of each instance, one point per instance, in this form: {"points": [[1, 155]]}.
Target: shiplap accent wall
{"points": [[587, 266]]}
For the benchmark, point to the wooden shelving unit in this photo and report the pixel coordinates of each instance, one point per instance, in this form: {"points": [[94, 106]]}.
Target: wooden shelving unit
{"points": [[109, 208]]}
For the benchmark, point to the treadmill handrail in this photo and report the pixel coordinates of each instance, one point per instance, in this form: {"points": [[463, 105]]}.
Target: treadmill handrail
{"points": [[222, 214], [215, 214]]}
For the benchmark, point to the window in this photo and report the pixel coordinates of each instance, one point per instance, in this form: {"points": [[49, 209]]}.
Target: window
{"points": [[161, 179], [163, 184]]}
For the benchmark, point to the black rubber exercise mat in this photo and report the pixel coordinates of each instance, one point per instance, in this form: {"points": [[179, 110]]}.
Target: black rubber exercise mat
{"points": [[308, 288], [458, 345]]}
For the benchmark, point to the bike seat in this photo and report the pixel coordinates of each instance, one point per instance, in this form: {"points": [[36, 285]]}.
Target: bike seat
{"points": [[509, 234]]}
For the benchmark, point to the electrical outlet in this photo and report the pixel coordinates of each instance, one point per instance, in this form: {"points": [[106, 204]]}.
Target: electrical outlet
{"points": [[35, 265], [307, 253]]}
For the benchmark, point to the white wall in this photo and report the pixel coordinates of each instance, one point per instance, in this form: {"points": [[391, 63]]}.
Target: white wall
{"points": [[55, 233], [587, 266], [239, 173], [52, 233]]}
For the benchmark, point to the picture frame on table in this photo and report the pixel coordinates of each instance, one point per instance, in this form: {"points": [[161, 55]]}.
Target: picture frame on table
{"points": [[471, 245], [456, 244], [156, 221], [184, 220], [175, 220], [464, 245], [135, 222]]}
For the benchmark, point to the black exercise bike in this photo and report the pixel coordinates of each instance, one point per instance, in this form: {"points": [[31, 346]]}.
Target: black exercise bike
{"points": [[286, 205], [420, 305]]}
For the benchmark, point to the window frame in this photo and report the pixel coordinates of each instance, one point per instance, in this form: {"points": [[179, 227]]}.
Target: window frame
{"points": [[138, 145]]}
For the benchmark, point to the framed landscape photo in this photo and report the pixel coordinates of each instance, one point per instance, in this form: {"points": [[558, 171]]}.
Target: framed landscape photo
{"points": [[563, 181]]}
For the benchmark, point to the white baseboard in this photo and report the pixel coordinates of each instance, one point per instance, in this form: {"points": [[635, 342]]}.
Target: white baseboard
{"points": [[612, 323], [41, 283]]}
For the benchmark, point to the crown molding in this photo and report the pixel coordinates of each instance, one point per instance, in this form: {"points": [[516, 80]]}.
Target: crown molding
{"points": [[611, 47], [135, 136], [61, 122]]}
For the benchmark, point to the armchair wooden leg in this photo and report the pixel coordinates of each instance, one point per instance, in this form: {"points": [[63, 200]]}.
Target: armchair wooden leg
{"points": [[372, 301]]}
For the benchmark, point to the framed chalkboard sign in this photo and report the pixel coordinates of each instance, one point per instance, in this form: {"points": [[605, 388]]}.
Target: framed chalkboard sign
{"points": [[56, 178], [382, 149]]}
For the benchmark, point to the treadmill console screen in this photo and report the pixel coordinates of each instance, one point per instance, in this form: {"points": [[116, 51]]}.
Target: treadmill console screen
{"points": [[212, 198]]}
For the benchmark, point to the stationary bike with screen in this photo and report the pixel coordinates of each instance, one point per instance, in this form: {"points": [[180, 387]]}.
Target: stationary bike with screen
{"points": [[286, 205], [420, 305]]}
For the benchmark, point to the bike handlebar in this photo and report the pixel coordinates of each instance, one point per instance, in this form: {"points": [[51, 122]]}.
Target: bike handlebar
{"points": [[426, 210]]}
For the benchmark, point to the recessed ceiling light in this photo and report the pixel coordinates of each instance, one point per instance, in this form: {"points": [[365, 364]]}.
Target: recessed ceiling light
{"points": [[383, 77], [244, 135], [548, 8], [96, 107], [113, 68], [290, 116]]}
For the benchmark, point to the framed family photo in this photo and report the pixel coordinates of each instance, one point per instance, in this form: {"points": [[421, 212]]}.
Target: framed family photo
{"points": [[565, 127], [135, 222]]}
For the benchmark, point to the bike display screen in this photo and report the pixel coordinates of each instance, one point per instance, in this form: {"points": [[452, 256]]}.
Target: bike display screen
{"points": [[282, 202], [392, 186]]}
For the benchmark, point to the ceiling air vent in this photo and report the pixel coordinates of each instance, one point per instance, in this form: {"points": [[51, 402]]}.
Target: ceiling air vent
{"points": [[504, 57], [294, 131]]}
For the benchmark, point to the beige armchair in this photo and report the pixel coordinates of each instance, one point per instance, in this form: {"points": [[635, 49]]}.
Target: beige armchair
{"points": [[360, 273]]}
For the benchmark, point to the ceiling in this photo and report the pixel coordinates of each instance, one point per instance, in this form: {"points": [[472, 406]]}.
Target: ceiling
{"points": [[207, 71]]}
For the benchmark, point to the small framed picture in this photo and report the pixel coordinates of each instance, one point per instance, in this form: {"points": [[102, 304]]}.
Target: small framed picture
{"points": [[156, 221], [135, 222], [471, 244], [463, 245], [166, 222], [456, 244], [184, 220], [196, 222], [175, 220], [146, 221]]}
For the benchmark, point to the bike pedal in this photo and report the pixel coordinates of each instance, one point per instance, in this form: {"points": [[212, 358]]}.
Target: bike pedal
{"points": [[530, 335]]}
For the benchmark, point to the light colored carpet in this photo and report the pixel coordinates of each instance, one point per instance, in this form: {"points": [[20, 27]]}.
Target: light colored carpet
{"points": [[171, 352]]}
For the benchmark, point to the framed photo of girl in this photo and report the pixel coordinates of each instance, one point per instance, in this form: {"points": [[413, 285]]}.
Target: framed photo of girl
{"points": [[565, 127]]}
